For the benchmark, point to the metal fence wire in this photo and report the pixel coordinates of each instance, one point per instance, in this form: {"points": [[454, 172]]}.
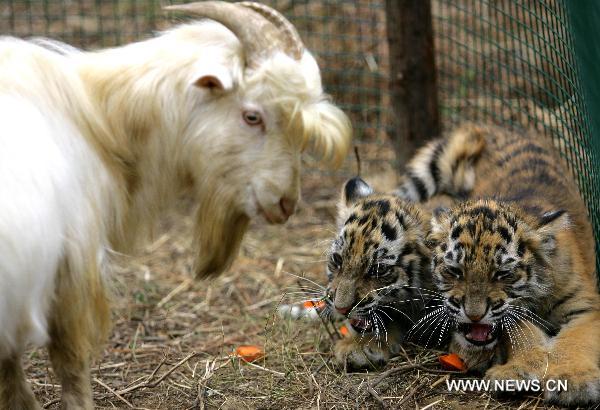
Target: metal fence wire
{"points": [[518, 63]]}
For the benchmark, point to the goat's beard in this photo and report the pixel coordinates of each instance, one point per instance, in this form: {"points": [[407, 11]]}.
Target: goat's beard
{"points": [[220, 227]]}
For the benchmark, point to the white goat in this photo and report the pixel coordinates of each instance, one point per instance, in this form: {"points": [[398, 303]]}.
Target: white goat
{"points": [[94, 145]]}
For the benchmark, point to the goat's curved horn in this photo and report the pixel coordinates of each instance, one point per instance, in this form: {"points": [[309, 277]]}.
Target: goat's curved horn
{"points": [[258, 35], [293, 45]]}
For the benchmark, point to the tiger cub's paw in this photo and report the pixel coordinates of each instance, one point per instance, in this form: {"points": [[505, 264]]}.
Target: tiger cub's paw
{"points": [[530, 366], [582, 385], [510, 372], [352, 355]]}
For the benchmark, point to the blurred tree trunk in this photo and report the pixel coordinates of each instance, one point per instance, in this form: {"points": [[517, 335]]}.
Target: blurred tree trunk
{"points": [[413, 84]]}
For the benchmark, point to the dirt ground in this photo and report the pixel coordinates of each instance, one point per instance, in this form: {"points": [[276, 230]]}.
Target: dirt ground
{"points": [[173, 337]]}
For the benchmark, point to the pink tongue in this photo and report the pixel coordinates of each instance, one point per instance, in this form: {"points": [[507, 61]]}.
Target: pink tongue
{"points": [[479, 333], [360, 323]]}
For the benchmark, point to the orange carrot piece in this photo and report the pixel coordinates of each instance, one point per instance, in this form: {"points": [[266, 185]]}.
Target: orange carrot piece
{"points": [[452, 361], [344, 331], [317, 304], [249, 353], [309, 304]]}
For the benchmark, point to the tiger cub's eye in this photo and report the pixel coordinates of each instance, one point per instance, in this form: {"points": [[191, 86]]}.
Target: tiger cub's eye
{"points": [[379, 270], [454, 271], [503, 275], [335, 262]]}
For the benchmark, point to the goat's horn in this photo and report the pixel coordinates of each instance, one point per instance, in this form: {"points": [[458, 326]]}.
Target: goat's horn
{"points": [[293, 45], [258, 35]]}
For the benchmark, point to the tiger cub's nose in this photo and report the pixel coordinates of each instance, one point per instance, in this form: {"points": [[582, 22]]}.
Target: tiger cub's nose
{"points": [[475, 318], [343, 310]]}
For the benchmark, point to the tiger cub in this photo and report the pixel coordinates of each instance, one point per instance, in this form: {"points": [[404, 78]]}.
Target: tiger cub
{"points": [[515, 261], [375, 269], [379, 266]]}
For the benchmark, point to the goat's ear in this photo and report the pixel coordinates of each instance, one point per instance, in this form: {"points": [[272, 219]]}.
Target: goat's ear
{"points": [[209, 81], [216, 79]]}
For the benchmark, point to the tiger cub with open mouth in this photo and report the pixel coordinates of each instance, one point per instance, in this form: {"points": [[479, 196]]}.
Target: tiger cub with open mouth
{"points": [[515, 262]]}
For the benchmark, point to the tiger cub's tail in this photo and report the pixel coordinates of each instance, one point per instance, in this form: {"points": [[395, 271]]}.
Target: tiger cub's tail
{"points": [[445, 165]]}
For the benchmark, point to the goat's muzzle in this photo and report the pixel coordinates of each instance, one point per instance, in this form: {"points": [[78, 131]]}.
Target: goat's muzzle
{"points": [[278, 213], [288, 206]]}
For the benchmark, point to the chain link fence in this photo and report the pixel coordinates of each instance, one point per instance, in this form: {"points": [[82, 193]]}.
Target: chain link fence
{"points": [[516, 63]]}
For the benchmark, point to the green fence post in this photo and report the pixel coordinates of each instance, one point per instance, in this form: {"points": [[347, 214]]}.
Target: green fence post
{"points": [[584, 16]]}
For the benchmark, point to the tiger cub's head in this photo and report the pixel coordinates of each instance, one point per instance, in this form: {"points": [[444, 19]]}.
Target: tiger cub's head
{"points": [[489, 262], [377, 257]]}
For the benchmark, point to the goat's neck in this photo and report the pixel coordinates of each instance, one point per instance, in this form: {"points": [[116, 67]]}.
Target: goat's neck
{"points": [[143, 149]]}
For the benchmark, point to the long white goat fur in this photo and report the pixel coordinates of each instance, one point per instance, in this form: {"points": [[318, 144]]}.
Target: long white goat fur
{"points": [[94, 145]]}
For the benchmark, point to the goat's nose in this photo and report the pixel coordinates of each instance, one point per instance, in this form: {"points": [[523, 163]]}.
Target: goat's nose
{"points": [[288, 206], [344, 310]]}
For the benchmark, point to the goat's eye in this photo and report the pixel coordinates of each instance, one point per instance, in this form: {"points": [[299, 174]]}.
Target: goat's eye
{"points": [[252, 118]]}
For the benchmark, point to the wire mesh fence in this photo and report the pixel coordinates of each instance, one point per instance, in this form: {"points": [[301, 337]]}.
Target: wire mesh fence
{"points": [[514, 63], [509, 62], [347, 36]]}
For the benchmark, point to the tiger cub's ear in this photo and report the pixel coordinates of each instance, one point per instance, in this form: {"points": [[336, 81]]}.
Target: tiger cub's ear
{"points": [[550, 224], [354, 189], [438, 221], [557, 218]]}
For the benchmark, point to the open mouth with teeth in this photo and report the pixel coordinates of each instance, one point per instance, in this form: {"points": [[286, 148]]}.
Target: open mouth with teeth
{"points": [[361, 325], [479, 334]]}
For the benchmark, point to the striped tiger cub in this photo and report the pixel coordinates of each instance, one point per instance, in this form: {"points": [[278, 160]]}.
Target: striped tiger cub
{"points": [[513, 261]]}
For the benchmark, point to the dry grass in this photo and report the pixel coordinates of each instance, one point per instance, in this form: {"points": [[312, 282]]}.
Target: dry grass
{"points": [[172, 338]]}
